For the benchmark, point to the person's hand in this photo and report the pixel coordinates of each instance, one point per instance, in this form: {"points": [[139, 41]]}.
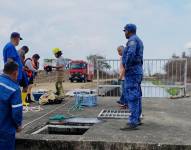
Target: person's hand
{"points": [[19, 129], [120, 77]]}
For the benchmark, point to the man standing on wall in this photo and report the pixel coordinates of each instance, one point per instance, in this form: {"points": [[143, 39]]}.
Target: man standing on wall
{"points": [[132, 60], [11, 54]]}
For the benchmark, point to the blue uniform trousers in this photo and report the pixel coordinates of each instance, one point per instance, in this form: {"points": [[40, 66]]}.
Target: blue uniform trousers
{"points": [[7, 141], [134, 95], [122, 92]]}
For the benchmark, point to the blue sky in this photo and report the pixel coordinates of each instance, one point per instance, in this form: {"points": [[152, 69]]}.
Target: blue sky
{"points": [[83, 27]]}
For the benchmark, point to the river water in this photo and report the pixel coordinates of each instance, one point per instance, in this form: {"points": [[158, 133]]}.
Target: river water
{"points": [[151, 90]]}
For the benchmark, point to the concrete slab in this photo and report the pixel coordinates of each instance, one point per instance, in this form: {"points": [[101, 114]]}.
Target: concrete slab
{"points": [[167, 125]]}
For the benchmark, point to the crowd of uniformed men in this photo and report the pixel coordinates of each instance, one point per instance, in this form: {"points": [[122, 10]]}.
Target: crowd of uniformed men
{"points": [[20, 72]]}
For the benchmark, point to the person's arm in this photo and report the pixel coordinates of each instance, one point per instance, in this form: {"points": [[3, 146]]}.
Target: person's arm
{"points": [[122, 73], [11, 53], [22, 57], [58, 67], [28, 63], [17, 108], [124, 56], [130, 54]]}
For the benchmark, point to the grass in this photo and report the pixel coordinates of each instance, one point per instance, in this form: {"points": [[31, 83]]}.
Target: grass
{"points": [[173, 91], [156, 82]]}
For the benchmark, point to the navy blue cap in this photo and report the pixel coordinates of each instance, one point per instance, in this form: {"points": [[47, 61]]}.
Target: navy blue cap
{"points": [[130, 28], [16, 35]]}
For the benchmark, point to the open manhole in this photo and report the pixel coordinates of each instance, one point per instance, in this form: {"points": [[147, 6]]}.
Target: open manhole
{"points": [[72, 126], [62, 130]]}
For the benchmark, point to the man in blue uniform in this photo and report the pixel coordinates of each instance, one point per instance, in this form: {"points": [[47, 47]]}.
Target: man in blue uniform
{"points": [[11, 54], [10, 106], [132, 60]]}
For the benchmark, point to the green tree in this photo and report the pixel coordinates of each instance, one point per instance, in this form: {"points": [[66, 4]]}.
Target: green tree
{"points": [[103, 64]]}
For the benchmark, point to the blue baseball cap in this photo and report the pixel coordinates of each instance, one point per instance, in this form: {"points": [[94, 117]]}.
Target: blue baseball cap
{"points": [[16, 35], [130, 28]]}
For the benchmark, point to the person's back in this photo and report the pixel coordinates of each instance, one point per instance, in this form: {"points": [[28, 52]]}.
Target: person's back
{"points": [[121, 69], [60, 62], [10, 106], [135, 62], [7, 88], [9, 51]]}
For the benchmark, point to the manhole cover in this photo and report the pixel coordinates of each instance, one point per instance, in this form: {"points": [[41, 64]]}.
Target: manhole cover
{"points": [[113, 114], [82, 121], [77, 121]]}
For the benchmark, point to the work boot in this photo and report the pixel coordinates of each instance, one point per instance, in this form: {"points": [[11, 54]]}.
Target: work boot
{"points": [[124, 107], [60, 96], [140, 123], [29, 100], [56, 93], [23, 97], [119, 102], [129, 127]]}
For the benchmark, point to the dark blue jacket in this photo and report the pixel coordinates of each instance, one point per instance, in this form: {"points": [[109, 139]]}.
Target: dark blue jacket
{"points": [[10, 51], [10, 105], [132, 58]]}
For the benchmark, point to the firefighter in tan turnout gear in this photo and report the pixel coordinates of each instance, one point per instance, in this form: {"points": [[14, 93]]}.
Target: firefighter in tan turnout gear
{"points": [[60, 66]]}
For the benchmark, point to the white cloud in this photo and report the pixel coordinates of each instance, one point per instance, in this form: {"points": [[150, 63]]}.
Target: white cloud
{"points": [[88, 26], [188, 45]]}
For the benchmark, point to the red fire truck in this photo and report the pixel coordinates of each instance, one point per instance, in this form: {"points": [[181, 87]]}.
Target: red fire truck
{"points": [[81, 71]]}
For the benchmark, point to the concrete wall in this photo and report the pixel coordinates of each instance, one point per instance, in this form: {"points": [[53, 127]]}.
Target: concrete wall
{"points": [[22, 144]]}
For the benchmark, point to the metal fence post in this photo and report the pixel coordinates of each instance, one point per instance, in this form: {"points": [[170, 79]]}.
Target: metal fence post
{"points": [[97, 69], [185, 77]]}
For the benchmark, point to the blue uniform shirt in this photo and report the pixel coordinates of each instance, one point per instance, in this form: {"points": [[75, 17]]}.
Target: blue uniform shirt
{"points": [[10, 51], [10, 105], [132, 58]]}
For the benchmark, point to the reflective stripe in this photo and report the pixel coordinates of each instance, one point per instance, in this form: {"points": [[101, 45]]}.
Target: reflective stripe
{"points": [[18, 105], [7, 87]]}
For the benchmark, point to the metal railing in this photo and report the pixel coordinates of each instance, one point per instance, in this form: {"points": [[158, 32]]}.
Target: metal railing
{"points": [[162, 77]]}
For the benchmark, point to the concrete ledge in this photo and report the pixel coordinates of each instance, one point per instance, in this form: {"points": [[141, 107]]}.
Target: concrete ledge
{"points": [[36, 144], [167, 126]]}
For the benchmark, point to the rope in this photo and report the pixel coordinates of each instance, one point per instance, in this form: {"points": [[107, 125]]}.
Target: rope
{"points": [[32, 109], [76, 107], [44, 115]]}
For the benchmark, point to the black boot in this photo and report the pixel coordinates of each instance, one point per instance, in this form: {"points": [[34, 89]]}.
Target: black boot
{"points": [[129, 127], [29, 100]]}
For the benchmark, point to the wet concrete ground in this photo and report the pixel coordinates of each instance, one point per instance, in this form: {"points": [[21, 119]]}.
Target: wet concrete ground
{"points": [[167, 125]]}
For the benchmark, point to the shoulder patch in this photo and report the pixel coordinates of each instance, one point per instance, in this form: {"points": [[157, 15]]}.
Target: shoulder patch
{"points": [[131, 43]]}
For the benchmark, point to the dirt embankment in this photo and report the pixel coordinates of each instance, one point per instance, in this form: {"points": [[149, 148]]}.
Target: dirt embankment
{"points": [[47, 81], [67, 86]]}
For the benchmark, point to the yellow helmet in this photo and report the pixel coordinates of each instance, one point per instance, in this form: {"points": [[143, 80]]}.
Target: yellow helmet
{"points": [[56, 50]]}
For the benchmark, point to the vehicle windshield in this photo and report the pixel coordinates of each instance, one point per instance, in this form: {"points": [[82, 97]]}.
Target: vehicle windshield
{"points": [[77, 66]]}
